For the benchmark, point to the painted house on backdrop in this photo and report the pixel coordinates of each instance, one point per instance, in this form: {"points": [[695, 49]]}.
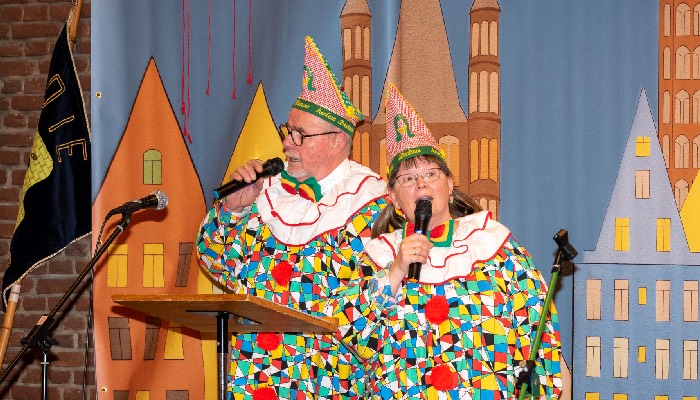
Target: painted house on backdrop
{"points": [[154, 255], [679, 92], [421, 71], [636, 294]]}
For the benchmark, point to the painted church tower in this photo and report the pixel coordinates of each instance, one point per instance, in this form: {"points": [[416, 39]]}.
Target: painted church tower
{"points": [[355, 25], [679, 92], [421, 67], [484, 106]]}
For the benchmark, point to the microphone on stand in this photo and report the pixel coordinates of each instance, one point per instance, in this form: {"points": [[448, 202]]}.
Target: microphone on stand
{"points": [[157, 200], [423, 213], [271, 167]]}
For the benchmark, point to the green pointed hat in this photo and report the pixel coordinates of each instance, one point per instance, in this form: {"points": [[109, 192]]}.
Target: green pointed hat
{"points": [[321, 94], [407, 135]]}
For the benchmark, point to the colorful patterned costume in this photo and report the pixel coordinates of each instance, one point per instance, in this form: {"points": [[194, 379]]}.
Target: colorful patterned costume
{"points": [[294, 252], [460, 331]]}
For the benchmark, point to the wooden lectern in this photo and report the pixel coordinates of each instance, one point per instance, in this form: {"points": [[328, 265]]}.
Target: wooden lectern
{"points": [[195, 311]]}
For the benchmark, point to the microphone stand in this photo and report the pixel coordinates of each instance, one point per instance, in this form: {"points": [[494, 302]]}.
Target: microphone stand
{"points": [[40, 336], [565, 252]]}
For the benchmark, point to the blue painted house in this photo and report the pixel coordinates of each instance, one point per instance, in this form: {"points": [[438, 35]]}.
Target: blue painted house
{"points": [[636, 295]]}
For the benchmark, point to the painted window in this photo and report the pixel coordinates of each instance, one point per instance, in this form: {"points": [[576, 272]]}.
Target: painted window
{"points": [[663, 300], [642, 146], [696, 96], [642, 354], [183, 263], [621, 357], [173, 343], [450, 145], [663, 234], [153, 270], [117, 265], [641, 184], [593, 303], [593, 356], [682, 20], [690, 301], [151, 338], [177, 395], [682, 63], [690, 360], [681, 152], [119, 338], [621, 311], [680, 192], [622, 234], [682, 114], [152, 167], [663, 353]]}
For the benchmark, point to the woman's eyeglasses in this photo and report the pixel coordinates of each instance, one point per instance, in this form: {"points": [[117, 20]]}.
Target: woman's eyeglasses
{"points": [[410, 179]]}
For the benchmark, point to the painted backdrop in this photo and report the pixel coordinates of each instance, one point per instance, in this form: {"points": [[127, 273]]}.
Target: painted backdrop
{"points": [[534, 102]]}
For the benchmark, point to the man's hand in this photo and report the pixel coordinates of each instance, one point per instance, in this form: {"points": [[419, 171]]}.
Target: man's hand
{"points": [[247, 172]]}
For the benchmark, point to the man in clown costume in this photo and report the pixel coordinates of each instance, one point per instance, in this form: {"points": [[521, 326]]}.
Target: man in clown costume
{"points": [[294, 239], [463, 327]]}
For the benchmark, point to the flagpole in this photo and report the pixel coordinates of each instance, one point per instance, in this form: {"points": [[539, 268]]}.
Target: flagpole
{"points": [[8, 321], [73, 25]]}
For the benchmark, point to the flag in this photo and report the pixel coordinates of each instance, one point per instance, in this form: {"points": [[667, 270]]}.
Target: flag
{"points": [[55, 204]]}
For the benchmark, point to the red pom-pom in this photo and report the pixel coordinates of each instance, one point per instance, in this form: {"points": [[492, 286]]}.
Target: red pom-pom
{"points": [[443, 378], [437, 309], [282, 273], [264, 393], [268, 341]]}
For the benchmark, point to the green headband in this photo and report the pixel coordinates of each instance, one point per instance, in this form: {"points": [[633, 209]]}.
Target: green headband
{"points": [[326, 115], [414, 152]]}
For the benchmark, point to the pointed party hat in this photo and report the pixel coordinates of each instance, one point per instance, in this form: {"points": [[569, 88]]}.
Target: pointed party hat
{"points": [[321, 94], [407, 135]]}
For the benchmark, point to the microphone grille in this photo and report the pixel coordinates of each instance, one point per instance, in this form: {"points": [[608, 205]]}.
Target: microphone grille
{"points": [[424, 208], [162, 199], [276, 165]]}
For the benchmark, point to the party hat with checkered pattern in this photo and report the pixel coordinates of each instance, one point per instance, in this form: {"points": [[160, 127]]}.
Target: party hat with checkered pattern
{"points": [[407, 135], [321, 94]]}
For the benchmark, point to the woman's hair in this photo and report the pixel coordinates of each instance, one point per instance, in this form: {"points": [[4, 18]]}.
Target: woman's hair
{"points": [[389, 219]]}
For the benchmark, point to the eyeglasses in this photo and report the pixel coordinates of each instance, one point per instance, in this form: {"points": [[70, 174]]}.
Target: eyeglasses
{"points": [[297, 137], [410, 179]]}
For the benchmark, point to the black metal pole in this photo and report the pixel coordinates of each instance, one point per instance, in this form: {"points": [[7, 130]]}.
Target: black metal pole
{"points": [[565, 252], [39, 335], [222, 350]]}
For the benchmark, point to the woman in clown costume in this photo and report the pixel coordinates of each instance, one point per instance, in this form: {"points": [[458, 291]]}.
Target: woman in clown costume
{"points": [[462, 330]]}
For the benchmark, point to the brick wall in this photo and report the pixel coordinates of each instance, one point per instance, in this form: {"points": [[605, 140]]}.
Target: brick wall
{"points": [[28, 32]]}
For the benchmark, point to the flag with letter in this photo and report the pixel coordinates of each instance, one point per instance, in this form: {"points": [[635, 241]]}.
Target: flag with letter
{"points": [[55, 204]]}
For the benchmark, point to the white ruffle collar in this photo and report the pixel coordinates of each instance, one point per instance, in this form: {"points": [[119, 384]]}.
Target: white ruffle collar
{"points": [[296, 221], [477, 238]]}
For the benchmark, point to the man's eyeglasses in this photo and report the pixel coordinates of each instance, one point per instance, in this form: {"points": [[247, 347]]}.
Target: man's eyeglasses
{"points": [[298, 137], [410, 179]]}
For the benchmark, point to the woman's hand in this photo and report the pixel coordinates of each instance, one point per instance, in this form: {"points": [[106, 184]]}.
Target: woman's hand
{"points": [[414, 248], [237, 201]]}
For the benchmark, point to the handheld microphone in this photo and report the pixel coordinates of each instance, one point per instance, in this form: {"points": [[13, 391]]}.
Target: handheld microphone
{"points": [[423, 213], [271, 167], [157, 200]]}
